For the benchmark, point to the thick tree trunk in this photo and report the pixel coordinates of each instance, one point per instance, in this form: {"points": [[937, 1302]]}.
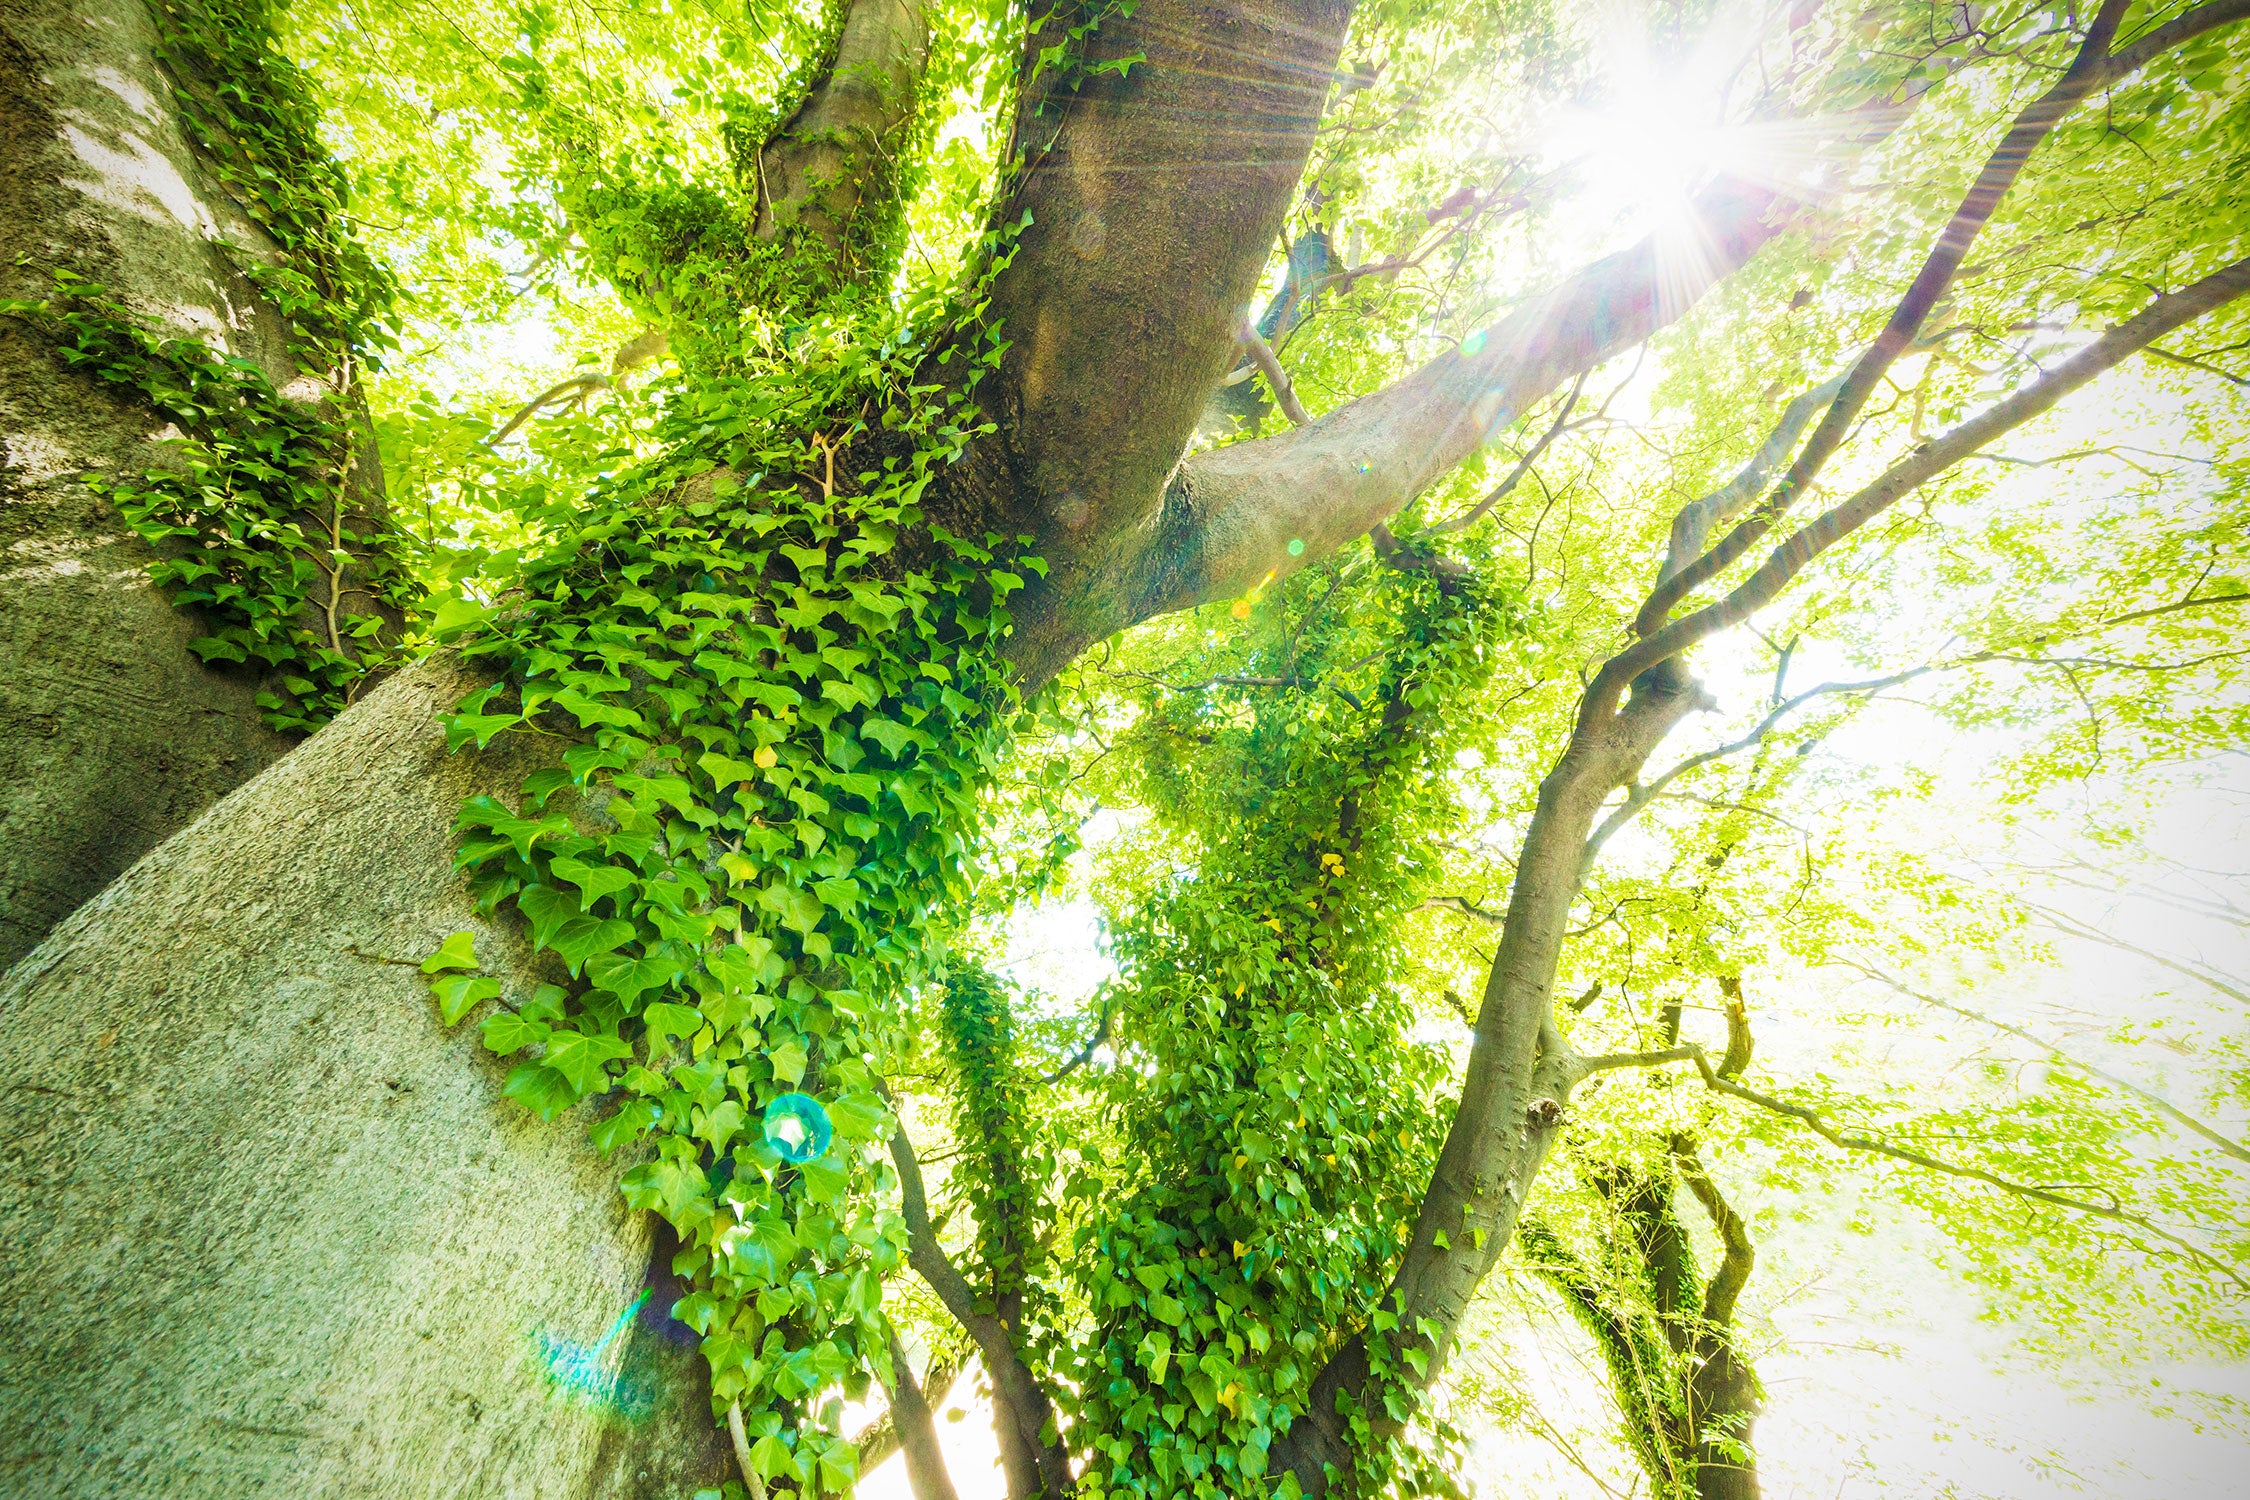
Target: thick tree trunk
{"points": [[271, 1231], [112, 733]]}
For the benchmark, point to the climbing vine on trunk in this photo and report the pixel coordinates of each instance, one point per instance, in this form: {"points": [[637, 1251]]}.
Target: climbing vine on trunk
{"points": [[257, 518], [1280, 1119], [784, 690]]}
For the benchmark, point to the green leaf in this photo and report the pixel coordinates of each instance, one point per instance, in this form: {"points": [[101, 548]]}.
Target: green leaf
{"points": [[458, 994], [593, 881], [665, 1020], [788, 1060], [771, 1458], [630, 1123], [893, 737], [800, 910], [539, 1089], [725, 770], [584, 937], [505, 1031], [583, 1059], [629, 978], [1166, 1309], [549, 911], [458, 951]]}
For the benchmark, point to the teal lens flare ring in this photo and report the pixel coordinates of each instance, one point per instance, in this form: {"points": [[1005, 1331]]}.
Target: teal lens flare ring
{"points": [[797, 1127]]}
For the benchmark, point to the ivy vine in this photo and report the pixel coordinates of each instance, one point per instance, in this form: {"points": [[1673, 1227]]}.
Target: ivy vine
{"points": [[1278, 1115], [785, 693], [254, 518]]}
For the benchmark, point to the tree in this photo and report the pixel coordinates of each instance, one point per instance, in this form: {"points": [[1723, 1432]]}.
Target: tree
{"points": [[722, 724], [190, 293]]}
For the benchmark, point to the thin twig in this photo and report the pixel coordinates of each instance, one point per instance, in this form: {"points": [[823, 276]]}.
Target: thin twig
{"points": [[2156, 1102], [1852, 1140]]}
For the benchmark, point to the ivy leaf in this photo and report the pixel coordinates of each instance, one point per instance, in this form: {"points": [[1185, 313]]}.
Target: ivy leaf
{"points": [[666, 1020], [788, 1060], [460, 729], [858, 1117], [839, 1468], [629, 1124], [589, 713], [539, 1089], [1166, 1309], [800, 910], [826, 1178], [505, 1031], [594, 881], [583, 1059], [629, 978], [458, 951], [725, 770], [721, 1125], [549, 911], [458, 994], [771, 1458], [892, 736], [583, 938]]}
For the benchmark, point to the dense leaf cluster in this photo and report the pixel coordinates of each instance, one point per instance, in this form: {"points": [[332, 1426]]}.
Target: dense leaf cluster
{"points": [[781, 729], [1277, 1113]]}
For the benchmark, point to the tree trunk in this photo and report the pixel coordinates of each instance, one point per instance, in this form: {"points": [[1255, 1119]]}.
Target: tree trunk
{"points": [[112, 733], [271, 1230]]}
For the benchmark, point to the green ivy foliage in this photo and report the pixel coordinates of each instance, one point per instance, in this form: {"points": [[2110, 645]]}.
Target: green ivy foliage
{"points": [[252, 114], [784, 690], [255, 518], [993, 1110], [1277, 1113]]}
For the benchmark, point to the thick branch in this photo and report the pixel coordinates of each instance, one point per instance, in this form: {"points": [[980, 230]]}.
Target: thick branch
{"points": [[1154, 190], [1014, 1389], [1734, 1236], [1691, 528], [2091, 68], [816, 172], [915, 1432], [1233, 511]]}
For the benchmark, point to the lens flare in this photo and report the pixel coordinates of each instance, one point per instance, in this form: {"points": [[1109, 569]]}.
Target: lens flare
{"points": [[588, 1374], [798, 1128]]}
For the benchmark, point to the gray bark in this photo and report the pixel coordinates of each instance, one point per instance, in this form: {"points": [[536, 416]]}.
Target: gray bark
{"points": [[112, 734], [271, 1230]]}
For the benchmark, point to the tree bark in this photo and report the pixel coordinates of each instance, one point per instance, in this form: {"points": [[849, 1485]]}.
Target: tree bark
{"points": [[917, 1434], [112, 733], [271, 1230]]}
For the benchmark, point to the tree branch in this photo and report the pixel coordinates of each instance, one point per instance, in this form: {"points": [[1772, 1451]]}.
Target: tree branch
{"points": [[1284, 394], [1851, 1140], [2154, 1101], [2001, 169], [1734, 1236], [1932, 458], [915, 1432], [1014, 1389], [814, 173]]}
